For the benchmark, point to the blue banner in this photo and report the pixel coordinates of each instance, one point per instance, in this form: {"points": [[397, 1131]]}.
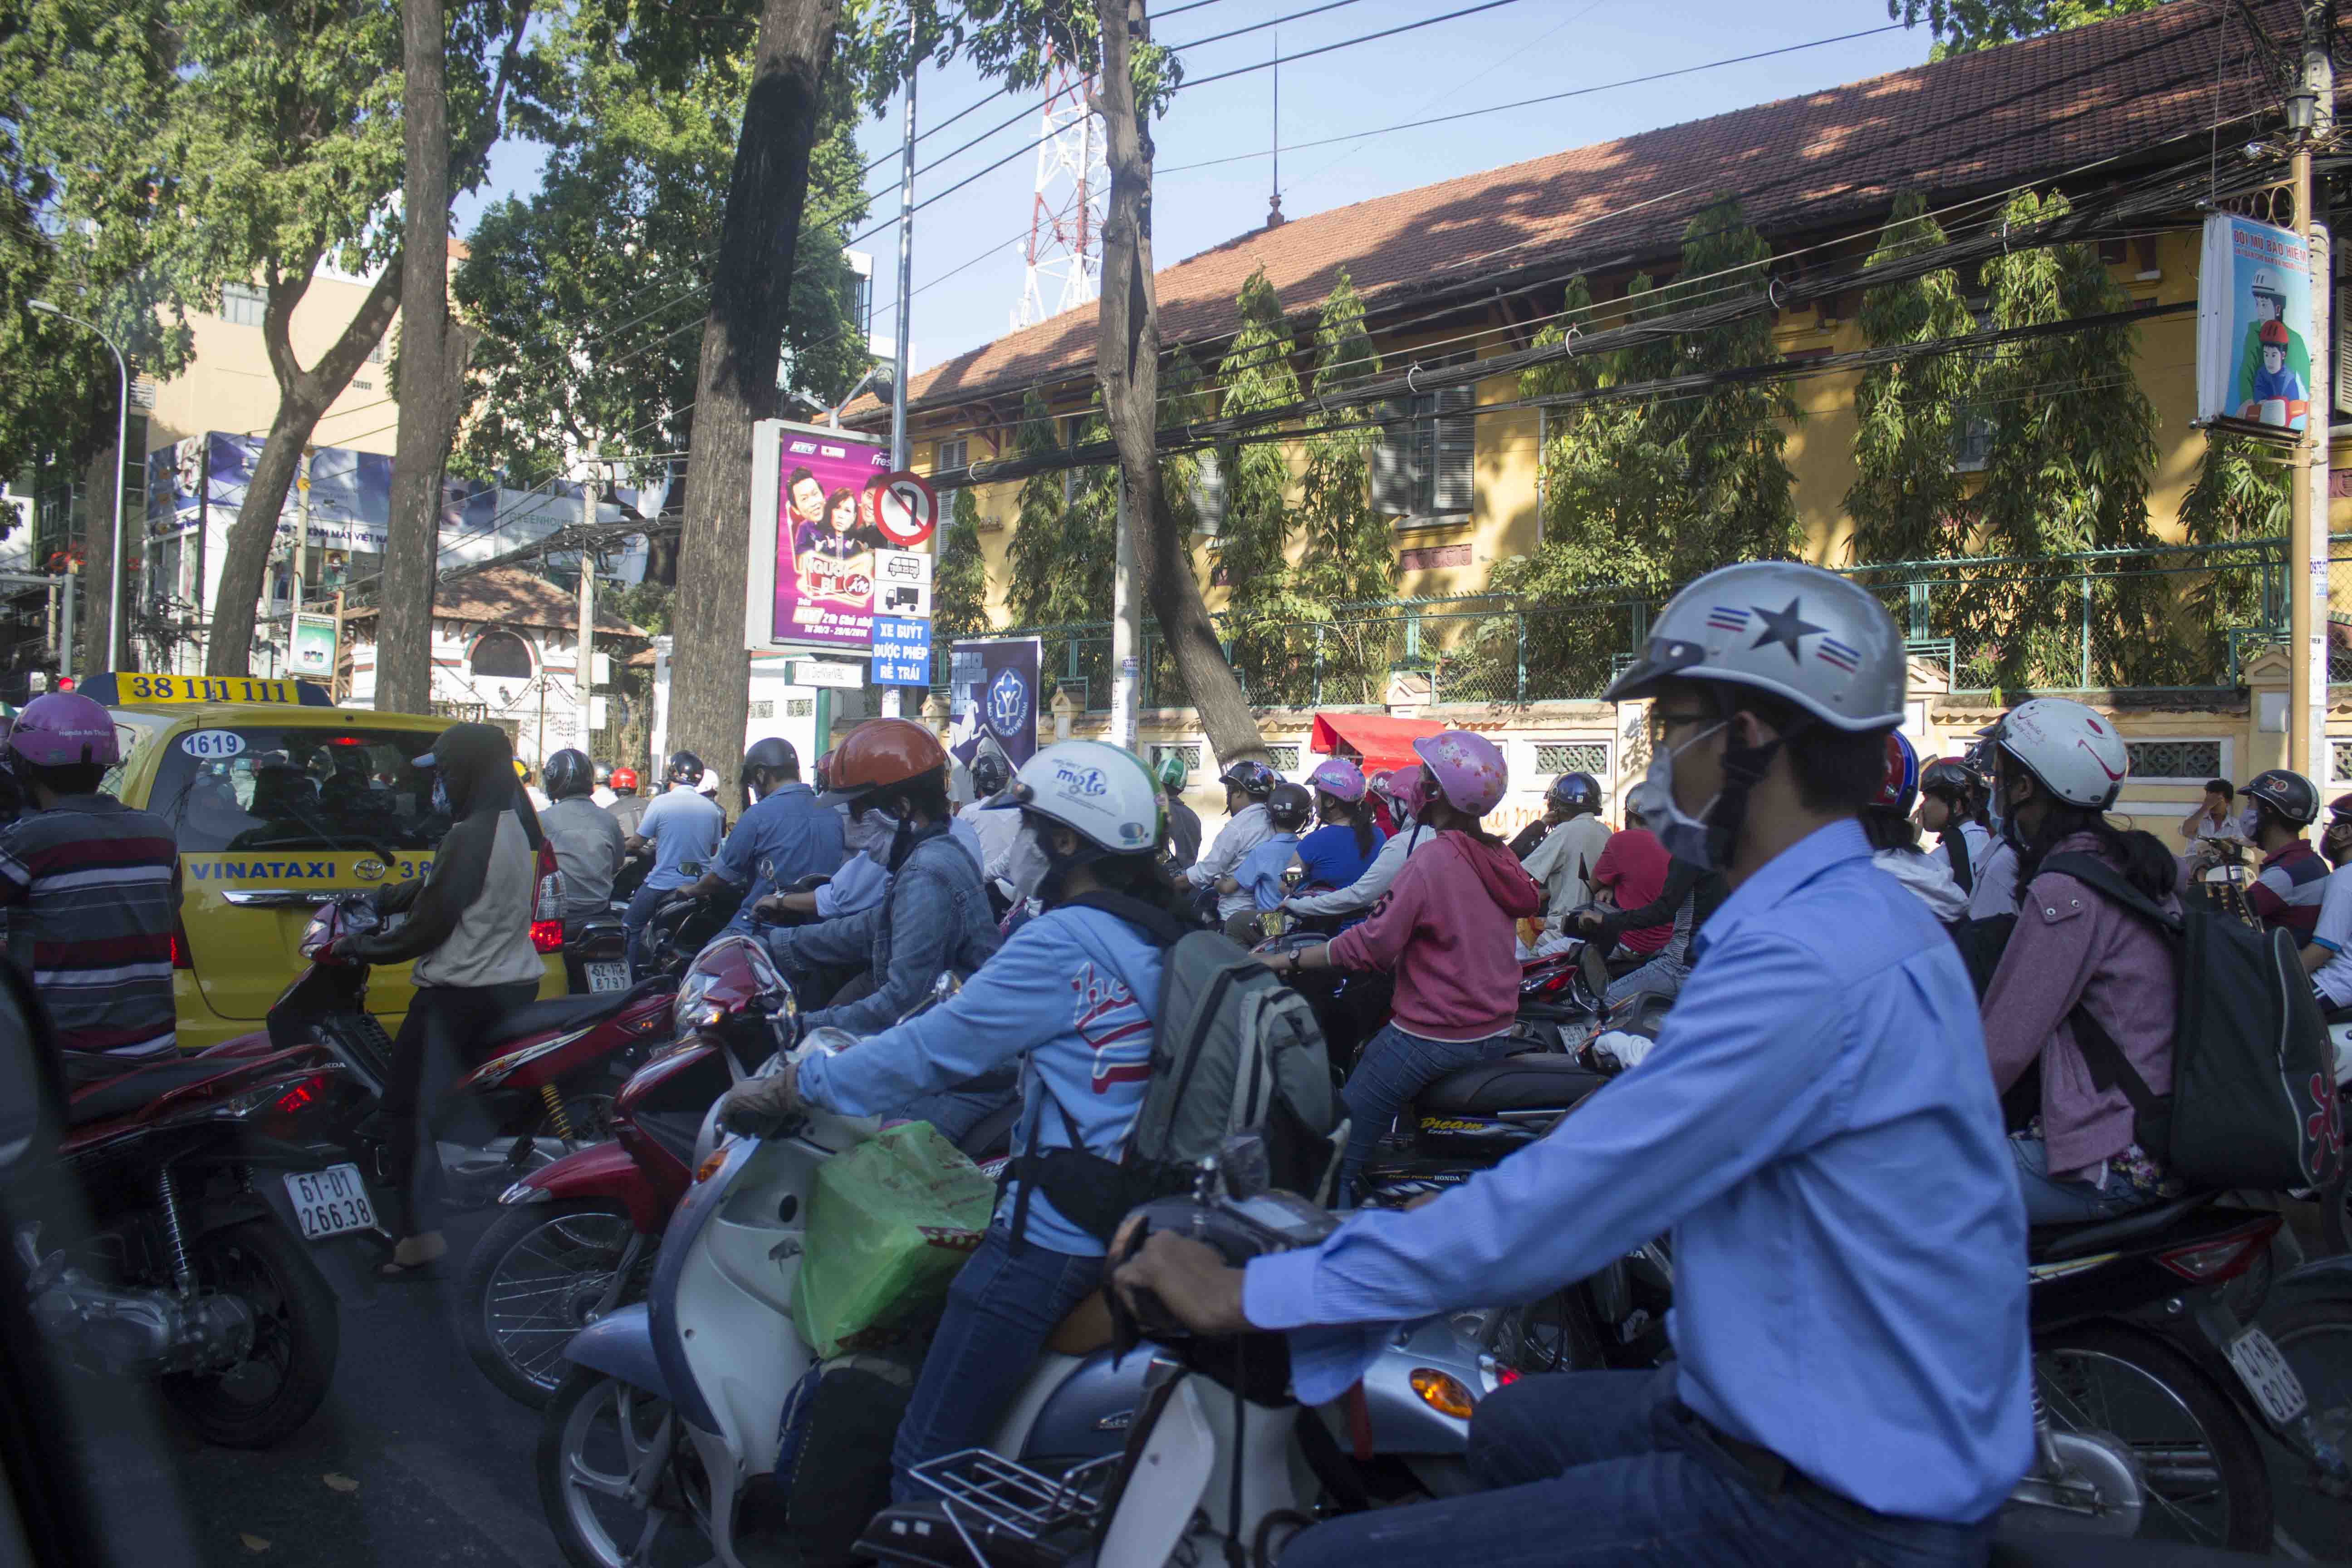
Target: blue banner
{"points": [[902, 651], [992, 698]]}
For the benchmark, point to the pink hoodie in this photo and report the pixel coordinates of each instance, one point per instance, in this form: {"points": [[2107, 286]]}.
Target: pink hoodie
{"points": [[1445, 930]]}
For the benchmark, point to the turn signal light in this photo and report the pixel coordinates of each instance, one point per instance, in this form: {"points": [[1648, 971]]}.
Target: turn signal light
{"points": [[2223, 1258], [1443, 1393], [710, 1167]]}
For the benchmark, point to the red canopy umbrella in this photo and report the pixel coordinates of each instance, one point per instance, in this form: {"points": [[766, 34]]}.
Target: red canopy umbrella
{"points": [[1372, 741]]}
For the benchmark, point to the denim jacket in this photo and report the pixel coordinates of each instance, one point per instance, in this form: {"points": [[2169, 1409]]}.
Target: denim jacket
{"points": [[936, 918]]}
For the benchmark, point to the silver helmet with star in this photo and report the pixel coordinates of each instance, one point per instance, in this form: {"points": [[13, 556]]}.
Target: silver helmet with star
{"points": [[1804, 635]]}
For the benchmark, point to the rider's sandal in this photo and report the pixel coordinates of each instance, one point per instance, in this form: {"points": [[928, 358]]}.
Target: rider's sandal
{"points": [[428, 1268]]}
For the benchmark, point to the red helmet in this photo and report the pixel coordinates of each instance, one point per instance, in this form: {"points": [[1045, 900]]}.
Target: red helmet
{"points": [[2340, 808], [2274, 334], [879, 754], [624, 779]]}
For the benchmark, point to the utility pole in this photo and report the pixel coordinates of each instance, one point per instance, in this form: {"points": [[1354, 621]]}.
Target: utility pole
{"points": [[584, 662], [899, 453], [2310, 119], [1126, 629]]}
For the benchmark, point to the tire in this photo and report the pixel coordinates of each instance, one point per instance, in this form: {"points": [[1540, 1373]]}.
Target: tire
{"points": [[575, 1246], [2335, 1222], [2316, 1337], [296, 1335], [2168, 1409], [569, 1445]]}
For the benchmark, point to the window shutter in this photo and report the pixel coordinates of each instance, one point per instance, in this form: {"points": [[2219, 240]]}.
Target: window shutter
{"points": [[1209, 493], [1391, 466], [2340, 390], [1455, 467]]}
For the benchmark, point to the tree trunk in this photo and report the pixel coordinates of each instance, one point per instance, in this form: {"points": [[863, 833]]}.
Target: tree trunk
{"points": [[98, 547], [1126, 362], [432, 367], [303, 396], [742, 342]]}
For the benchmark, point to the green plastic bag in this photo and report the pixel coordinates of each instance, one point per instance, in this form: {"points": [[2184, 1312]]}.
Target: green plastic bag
{"points": [[890, 1225]]}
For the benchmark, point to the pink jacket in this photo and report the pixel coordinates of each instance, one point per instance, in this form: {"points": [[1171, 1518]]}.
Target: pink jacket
{"points": [[2071, 945], [1445, 930]]}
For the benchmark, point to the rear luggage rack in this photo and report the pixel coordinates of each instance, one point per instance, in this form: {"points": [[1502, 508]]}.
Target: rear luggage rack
{"points": [[977, 1486]]}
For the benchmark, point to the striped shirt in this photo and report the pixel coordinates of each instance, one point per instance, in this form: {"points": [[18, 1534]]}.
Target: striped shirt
{"points": [[90, 892], [2290, 889]]}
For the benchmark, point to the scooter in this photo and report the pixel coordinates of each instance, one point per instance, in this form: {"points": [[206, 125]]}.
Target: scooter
{"points": [[669, 1417]]}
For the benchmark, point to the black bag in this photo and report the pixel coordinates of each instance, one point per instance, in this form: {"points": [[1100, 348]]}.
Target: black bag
{"points": [[1956, 854], [1981, 942], [2253, 1074]]}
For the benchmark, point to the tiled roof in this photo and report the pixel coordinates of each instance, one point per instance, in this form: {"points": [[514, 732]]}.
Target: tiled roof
{"points": [[1977, 122], [508, 595]]}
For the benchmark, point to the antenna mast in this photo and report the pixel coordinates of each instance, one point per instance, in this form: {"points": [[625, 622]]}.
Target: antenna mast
{"points": [[1066, 210]]}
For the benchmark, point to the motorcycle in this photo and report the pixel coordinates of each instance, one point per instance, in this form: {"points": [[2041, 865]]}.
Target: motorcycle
{"points": [[679, 930], [668, 1415], [208, 1180], [547, 1086], [595, 953]]}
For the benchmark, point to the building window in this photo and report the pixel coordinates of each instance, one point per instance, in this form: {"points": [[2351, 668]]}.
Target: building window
{"points": [[1190, 754], [375, 355], [800, 707], [242, 306], [2340, 758], [763, 710], [949, 455], [1554, 758], [861, 302], [1284, 758], [1425, 468], [1972, 427], [501, 656], [2192, 760]]}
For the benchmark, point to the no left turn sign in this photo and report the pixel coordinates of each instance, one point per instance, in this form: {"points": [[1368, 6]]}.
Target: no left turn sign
{"points": [[904, 509]]}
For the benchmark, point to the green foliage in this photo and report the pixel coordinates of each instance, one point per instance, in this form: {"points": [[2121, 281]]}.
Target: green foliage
{"points": [[1063, 551], [1350, 554], [589, 293], [1262, 603], [646, 604], [1958, 26], [1908, 499], [2241, 492], [960, 580]]}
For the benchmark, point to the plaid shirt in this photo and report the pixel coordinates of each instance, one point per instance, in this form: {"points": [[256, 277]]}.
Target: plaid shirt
{"points": [[90, 892]]}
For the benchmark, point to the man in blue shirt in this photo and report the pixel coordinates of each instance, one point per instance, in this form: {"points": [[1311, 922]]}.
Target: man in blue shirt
{"points": [[783, 835], [1816, 1127], [682, 826]]}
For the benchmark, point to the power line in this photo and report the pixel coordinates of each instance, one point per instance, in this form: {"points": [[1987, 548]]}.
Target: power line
{"points": [[1345, 44]]}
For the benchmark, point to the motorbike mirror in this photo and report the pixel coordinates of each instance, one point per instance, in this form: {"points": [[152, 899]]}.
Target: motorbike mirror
{"points": [[946, 985]]}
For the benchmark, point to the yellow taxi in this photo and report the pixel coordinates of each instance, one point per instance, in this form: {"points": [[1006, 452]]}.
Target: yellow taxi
{"points": [[279, 800]]}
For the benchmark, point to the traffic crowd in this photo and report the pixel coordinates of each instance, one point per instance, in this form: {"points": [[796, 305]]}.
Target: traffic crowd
{"points": [[1901, 1014]]}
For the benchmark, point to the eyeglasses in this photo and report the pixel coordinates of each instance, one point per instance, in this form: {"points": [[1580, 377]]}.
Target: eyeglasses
{"points": [[1662, 723]]}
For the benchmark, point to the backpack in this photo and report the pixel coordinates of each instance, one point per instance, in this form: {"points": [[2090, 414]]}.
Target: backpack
{"points": [[1956, 854], [2253, 1075], [1234, 1053]]}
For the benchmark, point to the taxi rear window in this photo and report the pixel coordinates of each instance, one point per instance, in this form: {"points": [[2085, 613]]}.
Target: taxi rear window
{"points": [[255, 786]]}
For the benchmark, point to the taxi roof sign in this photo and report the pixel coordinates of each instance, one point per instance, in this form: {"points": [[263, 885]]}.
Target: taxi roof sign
{"points": [[116, 690]]}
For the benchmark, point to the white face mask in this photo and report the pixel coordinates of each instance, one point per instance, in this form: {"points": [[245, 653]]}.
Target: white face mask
{"points": [[2249, 821], [1027, 864], [1683, 834], [871, 835]]}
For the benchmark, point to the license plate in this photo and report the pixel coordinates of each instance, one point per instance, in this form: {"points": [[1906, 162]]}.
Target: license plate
{"points": [[330, 1202], [607, 976], [2267, 1376]]}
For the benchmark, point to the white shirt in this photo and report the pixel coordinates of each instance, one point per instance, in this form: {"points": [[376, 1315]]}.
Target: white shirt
{"points": [[2334, 933], [1995, 892], [994, 832], [602, 795], [2205, 824], [1562, 865], [1249, 828], [1928, 874]]}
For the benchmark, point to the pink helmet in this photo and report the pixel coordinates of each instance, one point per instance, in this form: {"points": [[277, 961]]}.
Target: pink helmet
{"points": [[1468, 769], [62, 729], [1339, 778]]}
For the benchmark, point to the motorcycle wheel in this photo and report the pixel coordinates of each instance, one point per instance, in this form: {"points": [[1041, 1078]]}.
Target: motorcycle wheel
{"points": [[2336, 1213], [2206, 1480], [528, 1286], [597, 1432], [2316, 1337], [296, 1336]]}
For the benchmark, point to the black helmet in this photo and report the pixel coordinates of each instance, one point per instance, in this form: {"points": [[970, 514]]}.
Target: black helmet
{"points": [[1575, 792], [989, 774], [774, 754], [1288, 806], [684, 768], [1949, 778], [569, 772], [1252, 777], [2288, 794]]}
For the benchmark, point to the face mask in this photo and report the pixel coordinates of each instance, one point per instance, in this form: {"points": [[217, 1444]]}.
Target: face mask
{"points": [[1685, 835], [870, 835], [441, 796], [1027, 864], [2249, 820]]}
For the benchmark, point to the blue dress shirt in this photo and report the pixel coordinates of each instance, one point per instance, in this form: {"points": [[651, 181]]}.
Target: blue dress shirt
{"points": [[784, 837], [1817, 1127]]}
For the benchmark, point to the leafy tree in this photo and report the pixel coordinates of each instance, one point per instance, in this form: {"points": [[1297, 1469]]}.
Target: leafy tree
{"points": [[1958, 26], [2240, 493], [1908, 499], [1061, 558], [959, 579], [1350, 554], [1263, 606]]}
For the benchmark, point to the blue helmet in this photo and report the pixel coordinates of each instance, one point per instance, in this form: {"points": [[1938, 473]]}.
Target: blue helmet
{"points": [[1252, 777], [1575, 792]]}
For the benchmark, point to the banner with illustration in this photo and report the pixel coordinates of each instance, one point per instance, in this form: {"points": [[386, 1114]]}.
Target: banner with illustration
{"points": [[992, 698], [826, 539], [2253, 327]]}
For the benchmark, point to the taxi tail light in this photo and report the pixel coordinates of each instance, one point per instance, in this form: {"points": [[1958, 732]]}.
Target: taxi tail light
{"points": [[180, 959], [546, 907]]}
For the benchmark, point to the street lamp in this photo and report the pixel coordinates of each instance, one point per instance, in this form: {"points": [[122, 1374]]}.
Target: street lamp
{"points": [[121, 438], [2302, 112]]}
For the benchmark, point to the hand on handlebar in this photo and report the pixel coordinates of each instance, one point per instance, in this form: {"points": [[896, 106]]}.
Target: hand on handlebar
{"points": [[1175, 1281], [759, 1107]]}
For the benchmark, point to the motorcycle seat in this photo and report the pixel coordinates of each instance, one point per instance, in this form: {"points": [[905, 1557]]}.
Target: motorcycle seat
{"points": [[2049, 1243], [557, 1013], [1539, 1081], [127, 1091]]}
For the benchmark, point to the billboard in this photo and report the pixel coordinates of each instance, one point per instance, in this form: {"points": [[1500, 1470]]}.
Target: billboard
{"points": [[2253, 327], [992, 698], [822, 539]]}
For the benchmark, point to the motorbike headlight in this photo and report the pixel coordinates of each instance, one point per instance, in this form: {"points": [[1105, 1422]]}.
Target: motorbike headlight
{"points": [[694, 1010]]}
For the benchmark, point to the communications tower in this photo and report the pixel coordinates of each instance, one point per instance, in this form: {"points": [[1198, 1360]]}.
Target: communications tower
{"points": [[1065, 214]]}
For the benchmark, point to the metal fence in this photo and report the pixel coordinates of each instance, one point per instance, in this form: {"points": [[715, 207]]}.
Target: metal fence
{"points": [[2164, 617]]}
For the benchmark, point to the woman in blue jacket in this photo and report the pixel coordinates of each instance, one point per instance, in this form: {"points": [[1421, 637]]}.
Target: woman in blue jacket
{"points": [[1076, 989]]}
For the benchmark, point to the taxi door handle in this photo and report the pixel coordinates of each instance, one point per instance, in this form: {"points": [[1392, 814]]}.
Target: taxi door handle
{"points": [[278, 898]]}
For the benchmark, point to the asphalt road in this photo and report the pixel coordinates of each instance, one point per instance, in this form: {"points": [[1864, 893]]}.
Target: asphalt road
{"points": [[414, 1459]]}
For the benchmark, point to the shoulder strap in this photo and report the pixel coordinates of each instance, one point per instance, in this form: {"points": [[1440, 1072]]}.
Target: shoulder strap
{"points": [[2096, 873], [1955, 852], [1154, 925], [2109, 1067]]}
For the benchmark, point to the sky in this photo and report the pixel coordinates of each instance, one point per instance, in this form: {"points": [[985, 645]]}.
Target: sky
{"points": [[968, 267]]}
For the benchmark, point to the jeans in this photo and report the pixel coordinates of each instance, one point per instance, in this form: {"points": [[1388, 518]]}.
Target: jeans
{"points": [[430, 1054], [1002, 1308], [1662, 977], [1395, 1067], [1595, 1468], [633, 920], [2051, 1200]]}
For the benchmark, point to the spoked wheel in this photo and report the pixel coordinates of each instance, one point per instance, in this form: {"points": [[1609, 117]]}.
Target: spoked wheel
{"points": [[283, 1379], [616, 1478], [2316, 1337], [2202, 1476], [537, 1277]]}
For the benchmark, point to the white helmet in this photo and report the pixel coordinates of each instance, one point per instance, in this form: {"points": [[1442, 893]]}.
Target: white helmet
{"points": [[1804, 635], [2071, 751], [1100, 792]]}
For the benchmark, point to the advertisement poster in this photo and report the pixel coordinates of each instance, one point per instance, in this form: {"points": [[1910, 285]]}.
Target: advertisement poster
{"points": [[826, 540], [993, 699], [2253, 327], [313, 654]]}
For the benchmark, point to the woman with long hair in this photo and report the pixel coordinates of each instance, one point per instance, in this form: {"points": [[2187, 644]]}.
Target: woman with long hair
{"points": [[1337, 851]]}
